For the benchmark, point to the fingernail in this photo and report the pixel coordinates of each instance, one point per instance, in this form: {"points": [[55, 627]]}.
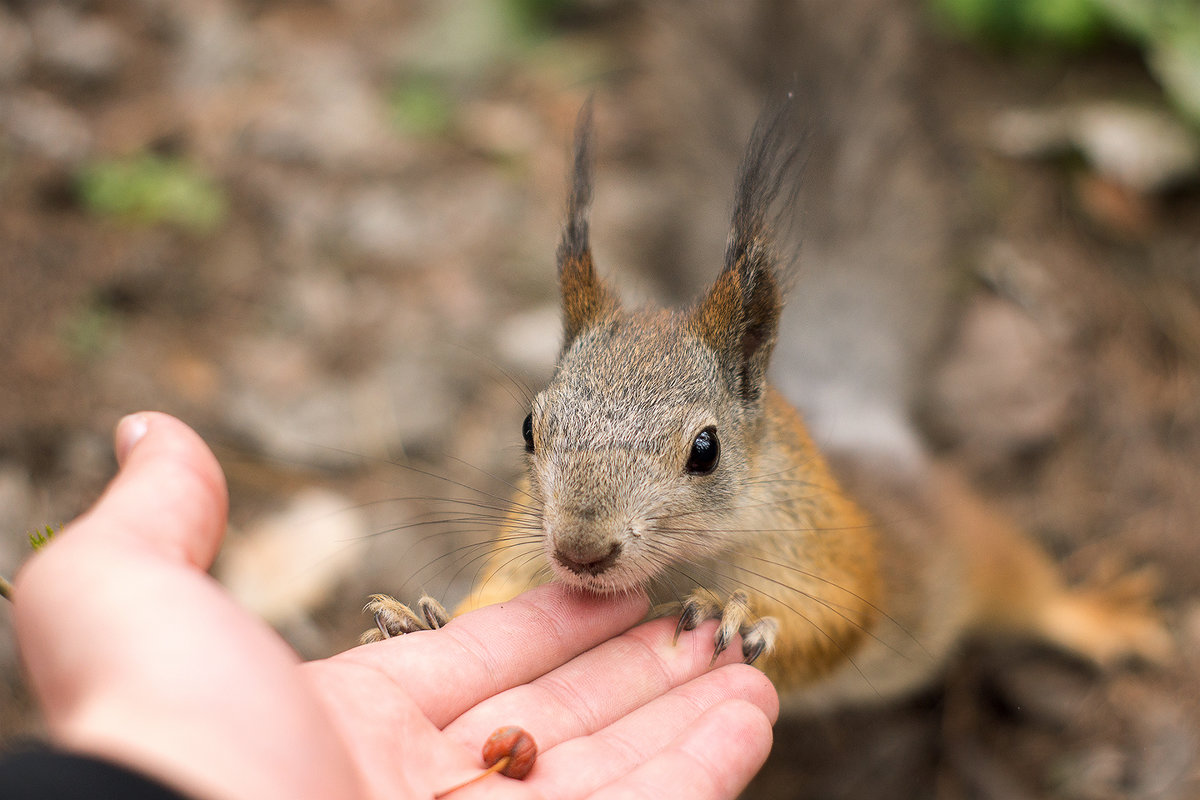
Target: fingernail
{"points": [[130, 431]]}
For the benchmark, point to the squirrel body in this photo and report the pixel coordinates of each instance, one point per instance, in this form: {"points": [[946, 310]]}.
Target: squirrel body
{"points": [[661, 460]]}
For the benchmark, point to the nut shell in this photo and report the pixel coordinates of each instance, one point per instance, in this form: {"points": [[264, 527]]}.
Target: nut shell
{"points": [[514, 742]]}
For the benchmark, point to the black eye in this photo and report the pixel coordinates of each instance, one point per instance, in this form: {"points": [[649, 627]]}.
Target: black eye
{"points": [[527, 432], [706, 452]]}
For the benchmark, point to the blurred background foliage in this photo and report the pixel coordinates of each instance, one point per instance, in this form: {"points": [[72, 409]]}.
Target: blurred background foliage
{"points": [[1167, 32], [147, 188]]}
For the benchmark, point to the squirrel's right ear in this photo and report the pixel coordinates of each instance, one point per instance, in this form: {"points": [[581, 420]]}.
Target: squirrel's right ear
{"points": [[739, 317], [585, 298]]}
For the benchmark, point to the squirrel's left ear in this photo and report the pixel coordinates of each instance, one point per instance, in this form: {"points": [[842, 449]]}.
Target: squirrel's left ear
{"points": [[739, 318], [586, 300]]}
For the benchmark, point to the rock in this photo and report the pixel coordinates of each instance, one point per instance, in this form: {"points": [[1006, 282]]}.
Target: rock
{"points": [[193, 377], [330, 307], [1007, 385], [16, 514], [1097, 773], [215, 48], [386, 222], [85, 48], [327, 113], [458, 39], [303, 213], [531, 340], [426, 223], [1115, 207], [16, 48], [41, 125], [1190, 631], [17, 509], [1144, 149], [505, 130], [282, 400], [1163, 746], [286, 565]]}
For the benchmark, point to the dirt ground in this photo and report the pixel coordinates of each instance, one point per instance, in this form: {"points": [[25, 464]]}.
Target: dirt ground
{"points": [[356, 333]]}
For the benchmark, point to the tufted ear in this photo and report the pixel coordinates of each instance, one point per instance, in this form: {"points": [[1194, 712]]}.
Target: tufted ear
{"points": [[585, 298], [739, 318]]}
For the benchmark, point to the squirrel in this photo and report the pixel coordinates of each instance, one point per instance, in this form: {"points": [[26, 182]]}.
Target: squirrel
{"points": [[660, 459]]}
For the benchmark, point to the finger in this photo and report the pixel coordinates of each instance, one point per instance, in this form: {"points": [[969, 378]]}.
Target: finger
{"points": [[487, 651], [713, 759], [169, 497], [701, 742], [586, 764], [596, 688]]}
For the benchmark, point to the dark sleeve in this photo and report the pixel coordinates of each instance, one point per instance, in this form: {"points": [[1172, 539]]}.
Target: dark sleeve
{"points": [[41, 773]]}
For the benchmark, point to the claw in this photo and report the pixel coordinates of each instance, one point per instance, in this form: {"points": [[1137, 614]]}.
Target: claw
{"points": [[434, 612], [759, 638], [736, 617], [684, 624], [393, 618], [695, 610], [733, 619]]}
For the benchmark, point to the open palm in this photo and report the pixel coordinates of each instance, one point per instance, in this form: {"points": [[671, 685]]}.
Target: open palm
{"points": [[137, 655]]}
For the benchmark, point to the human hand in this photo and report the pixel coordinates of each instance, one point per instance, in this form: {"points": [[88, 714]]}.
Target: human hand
{"points": [[138, 656]]}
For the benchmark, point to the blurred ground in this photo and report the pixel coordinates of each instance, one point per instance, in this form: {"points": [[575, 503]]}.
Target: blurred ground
{"points": [[358, 310]]}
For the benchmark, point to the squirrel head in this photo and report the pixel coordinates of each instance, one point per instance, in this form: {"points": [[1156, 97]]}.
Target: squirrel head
{"points": [[649, 428]]}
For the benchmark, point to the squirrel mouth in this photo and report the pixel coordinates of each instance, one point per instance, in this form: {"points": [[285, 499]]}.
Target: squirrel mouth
{"points": [[595, 585], [601, 573]]}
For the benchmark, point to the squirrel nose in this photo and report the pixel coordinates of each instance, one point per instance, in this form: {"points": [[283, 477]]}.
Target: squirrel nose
{"points": [[584, 560]]}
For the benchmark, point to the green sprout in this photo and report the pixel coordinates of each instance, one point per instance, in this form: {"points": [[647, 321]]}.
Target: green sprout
{"points": [[150, 189], [39, 539], [421, 106]]}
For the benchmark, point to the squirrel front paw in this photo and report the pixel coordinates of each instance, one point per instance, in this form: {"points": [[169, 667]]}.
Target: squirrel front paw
{"points": [[758, 634], [393, 618]]}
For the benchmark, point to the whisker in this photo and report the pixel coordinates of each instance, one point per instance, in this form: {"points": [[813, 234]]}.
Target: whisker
{"points": [[523, 389], [526, 555], [453, 554], [792, 529], [729, 508], [503, 543], [516, 487], [874, 607], [813, 624], [749, 553]]}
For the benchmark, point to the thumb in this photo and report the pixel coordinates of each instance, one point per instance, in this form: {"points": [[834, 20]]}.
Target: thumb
{"points": [[91, 594], [168, 500], [136, 655], [165, 508]]}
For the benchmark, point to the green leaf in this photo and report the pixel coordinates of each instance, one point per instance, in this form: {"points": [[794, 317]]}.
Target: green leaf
{"points": [[152, 189], [1066, 22], [421, 106]]}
